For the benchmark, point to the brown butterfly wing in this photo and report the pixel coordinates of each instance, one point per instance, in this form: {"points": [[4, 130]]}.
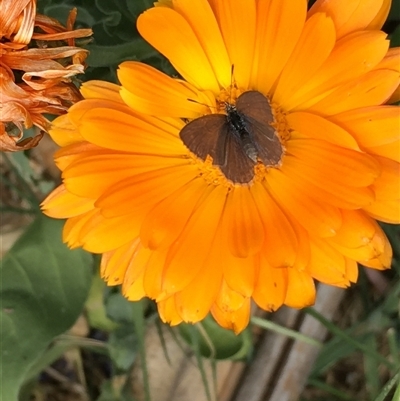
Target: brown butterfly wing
{"points": [[238, 167], [202, 135], [257, 113]]}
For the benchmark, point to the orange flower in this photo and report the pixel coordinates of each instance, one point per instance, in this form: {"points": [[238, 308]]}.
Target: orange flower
{"points": [[206, 192], [46, 84]]}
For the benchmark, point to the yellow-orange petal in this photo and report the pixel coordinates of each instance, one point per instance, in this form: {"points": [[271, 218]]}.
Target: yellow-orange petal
{"points": [[392, 62], [387, 185], [352, 57], [236, 320], [135, 290], [139, 193], [81, 176], [356, 231], [186, 54], [389, 150], [63, 132], [168, 311], [327, 265], [381, 16], [316, 217], [336, 194], [167, 219], [372, 89], [371, 126], [101, 90], [279, 26], [72, 228], [114, 264], [385, 210], [281, 246], [355, 15], [313, 126], [228, 299], [237, 21], [310, 53], [382, 260], [98, 234], [351, 270], [200, 16], [300, 290], [241, 223], [193, 303], [240, 274], [61, 204], [347, 166], [97, 125], [271, 287], [205, 220], [153, 276], [149, 91]]}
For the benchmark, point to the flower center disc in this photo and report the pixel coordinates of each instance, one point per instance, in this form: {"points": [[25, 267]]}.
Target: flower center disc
{"points": [[238, 140]]}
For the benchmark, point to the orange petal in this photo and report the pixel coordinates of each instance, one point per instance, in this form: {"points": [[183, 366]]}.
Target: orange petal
{"points": [[101, 90], [279, 26], [327, 265], [316, 217], [355, 15], [281, 247], [236, 320], [237, 20], [186, 54], [190, 248], [114, 264], [168, 218], [139, 193], [168, 311], [200, 16], [243, 227], [301, 289], [100, 235], [389, 150], [309, 54], [229, 300], [92, 175], [385, 210], [168, 97], [61, 204], [387, 185], [342, 165], [193, 303], [63, 132], [113, 129], [240, 273], [336, 194], [270, 290], [352, 57], [316, 127], [372, 89], [371, 126]]}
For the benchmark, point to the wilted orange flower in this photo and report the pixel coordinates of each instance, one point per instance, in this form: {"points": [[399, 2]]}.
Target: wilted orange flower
{"points": [[46, 84], [244, 182]]}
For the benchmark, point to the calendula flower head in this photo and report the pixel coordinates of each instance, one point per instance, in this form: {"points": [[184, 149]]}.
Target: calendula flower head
{"points": [[45, 85], [260, 170]]}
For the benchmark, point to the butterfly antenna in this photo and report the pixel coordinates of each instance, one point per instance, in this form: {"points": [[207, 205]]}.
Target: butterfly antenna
{"points": [[233, 83]]}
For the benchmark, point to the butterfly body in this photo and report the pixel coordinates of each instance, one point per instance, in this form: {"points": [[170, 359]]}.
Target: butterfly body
{"points": [[237, 140], [237, 126]]}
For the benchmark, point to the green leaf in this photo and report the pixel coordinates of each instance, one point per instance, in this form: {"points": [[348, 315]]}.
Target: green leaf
{"points": [[43, 288], [104, 56], [216, 342]]}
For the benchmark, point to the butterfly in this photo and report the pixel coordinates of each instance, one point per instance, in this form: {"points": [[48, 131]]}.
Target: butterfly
{"points": [[237, 140]]}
